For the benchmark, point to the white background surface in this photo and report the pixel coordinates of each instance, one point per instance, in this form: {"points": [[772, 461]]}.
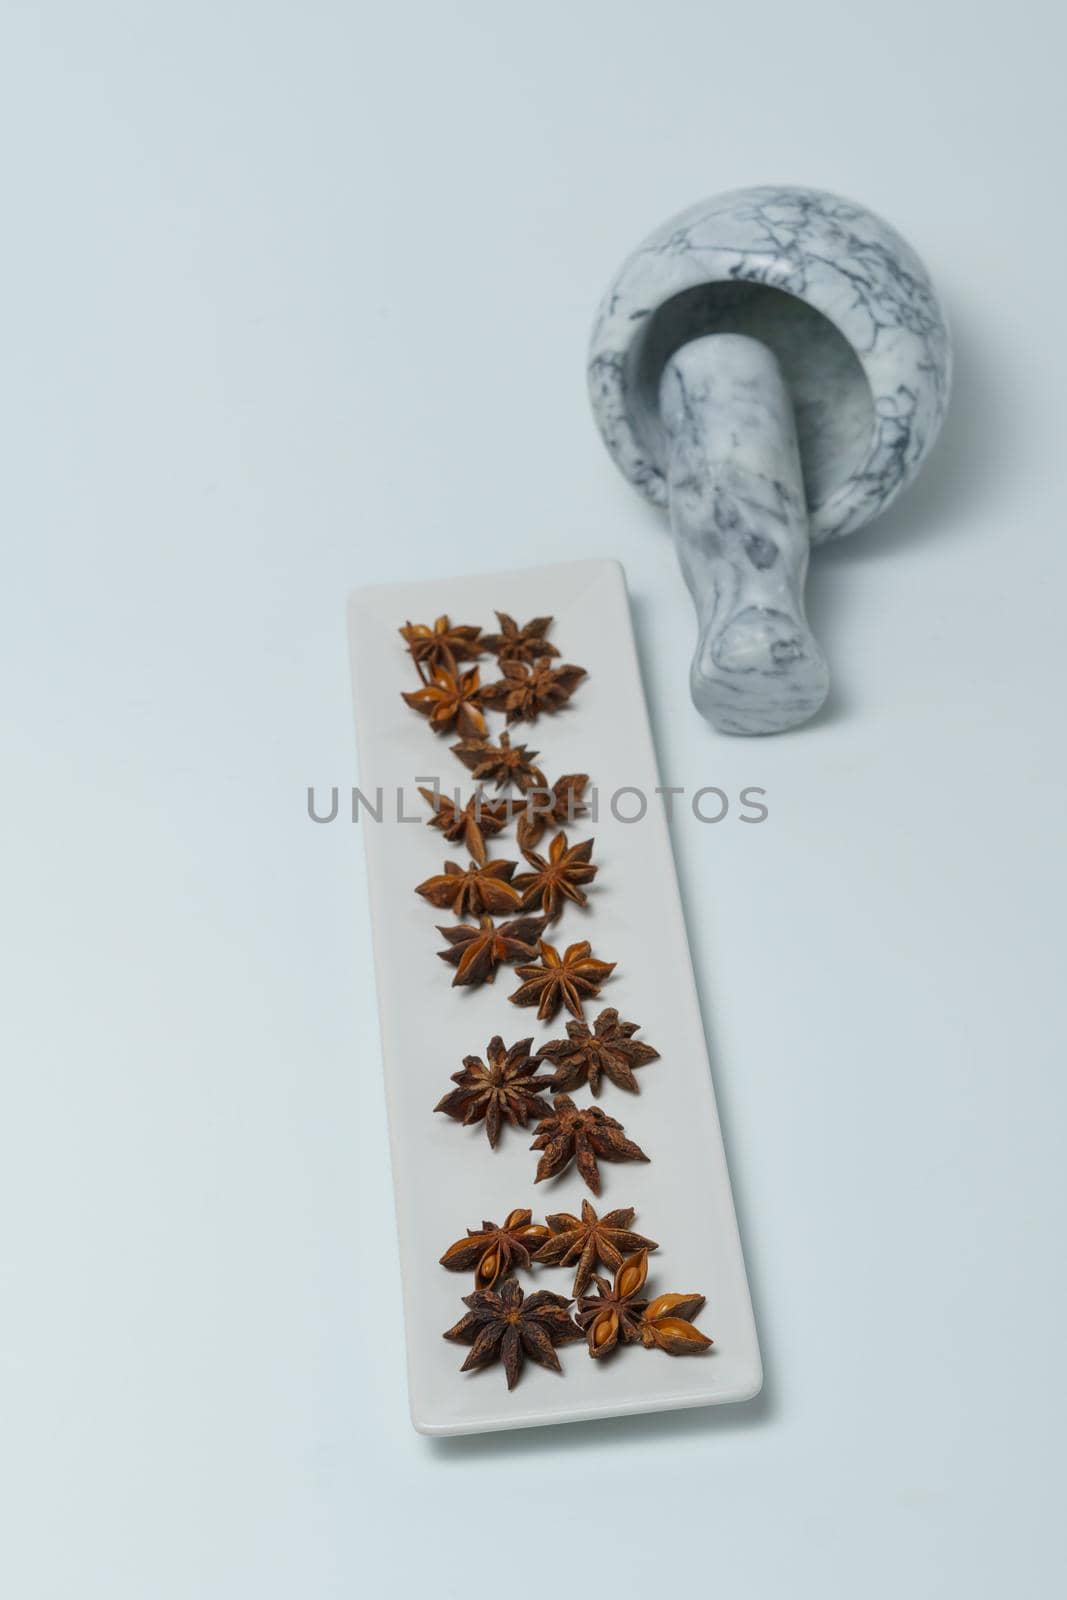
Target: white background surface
{"points": [[296, 297]]}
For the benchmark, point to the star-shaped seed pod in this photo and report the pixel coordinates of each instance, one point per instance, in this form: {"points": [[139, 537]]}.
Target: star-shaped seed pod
{"points": [[476, 952], [558, 807], [524, 692], [509, 1326], [588, 1239], [667, 1325], [557, 876], [513, 643], [507, 1089], [583, 1136], [558, 980], [614, 1313], [472, 823], [609, 1050], [451, 700], [442, 645], [501, 763], [483, 886], [493, 1251]]}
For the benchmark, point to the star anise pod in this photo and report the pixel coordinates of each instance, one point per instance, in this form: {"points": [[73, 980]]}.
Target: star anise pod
{"points": [[508, 1326], [483, 886], [558, 980], [505, 1089], [583, 1137], [442, 645], [501, 763], [557, 807], [476, 952], [525, 691], [451, 699], [492, 1251], [609, 1050], [513, 643], [471, 823], [588, 1239], [667, 1325], [615, 1312], [557, 877]]}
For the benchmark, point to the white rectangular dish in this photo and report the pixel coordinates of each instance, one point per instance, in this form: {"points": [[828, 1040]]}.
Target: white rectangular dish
{"points": [[447, 1178]]}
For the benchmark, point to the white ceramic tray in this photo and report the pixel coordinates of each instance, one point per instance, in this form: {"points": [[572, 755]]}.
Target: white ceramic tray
{"points": [[446, 1176]]}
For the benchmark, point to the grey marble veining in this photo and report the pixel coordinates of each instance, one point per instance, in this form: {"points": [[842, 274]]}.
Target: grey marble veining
{"points": [[863, 362], [740, 524]]}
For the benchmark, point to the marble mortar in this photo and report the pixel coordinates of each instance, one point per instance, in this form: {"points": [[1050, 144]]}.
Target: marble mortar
{"points": [[772, 366]]}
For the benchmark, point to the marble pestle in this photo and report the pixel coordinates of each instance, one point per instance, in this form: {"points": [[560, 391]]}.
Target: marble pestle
{"points": [[739, 515]]}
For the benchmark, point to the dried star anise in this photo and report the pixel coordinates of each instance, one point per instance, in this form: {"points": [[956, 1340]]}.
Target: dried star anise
{"points": [[557, 807], [561, 980], [666, 1325], [583, 1137], [508, 1326], [525, 691], [471, 822], [557, 877], [442, 645], [513, 643], [476, 952], [506, 1088], [608, 1050], [501, 763], [483, 886], [492, 1250], [588, 1239], [616, 1310], [451, 698]]}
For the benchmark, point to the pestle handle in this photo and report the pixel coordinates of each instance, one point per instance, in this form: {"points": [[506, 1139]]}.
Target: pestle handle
{"points": [[739, 516]]}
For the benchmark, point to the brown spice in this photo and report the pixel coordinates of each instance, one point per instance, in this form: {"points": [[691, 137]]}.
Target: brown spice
{"points": [[476, 952], [582, 1136], [492, 1251], [509, 1326], [667, 1325], [442, 645], [472, 822], [558, 980], [614, 1313], [483, 886], [557, 807], [501, 763], [525, 691], [505, 1089], [513, 643], [609, 1050], [588, 1239], [451, 699], [557, 876]]}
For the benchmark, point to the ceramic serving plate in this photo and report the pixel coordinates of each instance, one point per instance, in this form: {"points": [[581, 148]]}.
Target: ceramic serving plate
{"points": [[447, 1177]]}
